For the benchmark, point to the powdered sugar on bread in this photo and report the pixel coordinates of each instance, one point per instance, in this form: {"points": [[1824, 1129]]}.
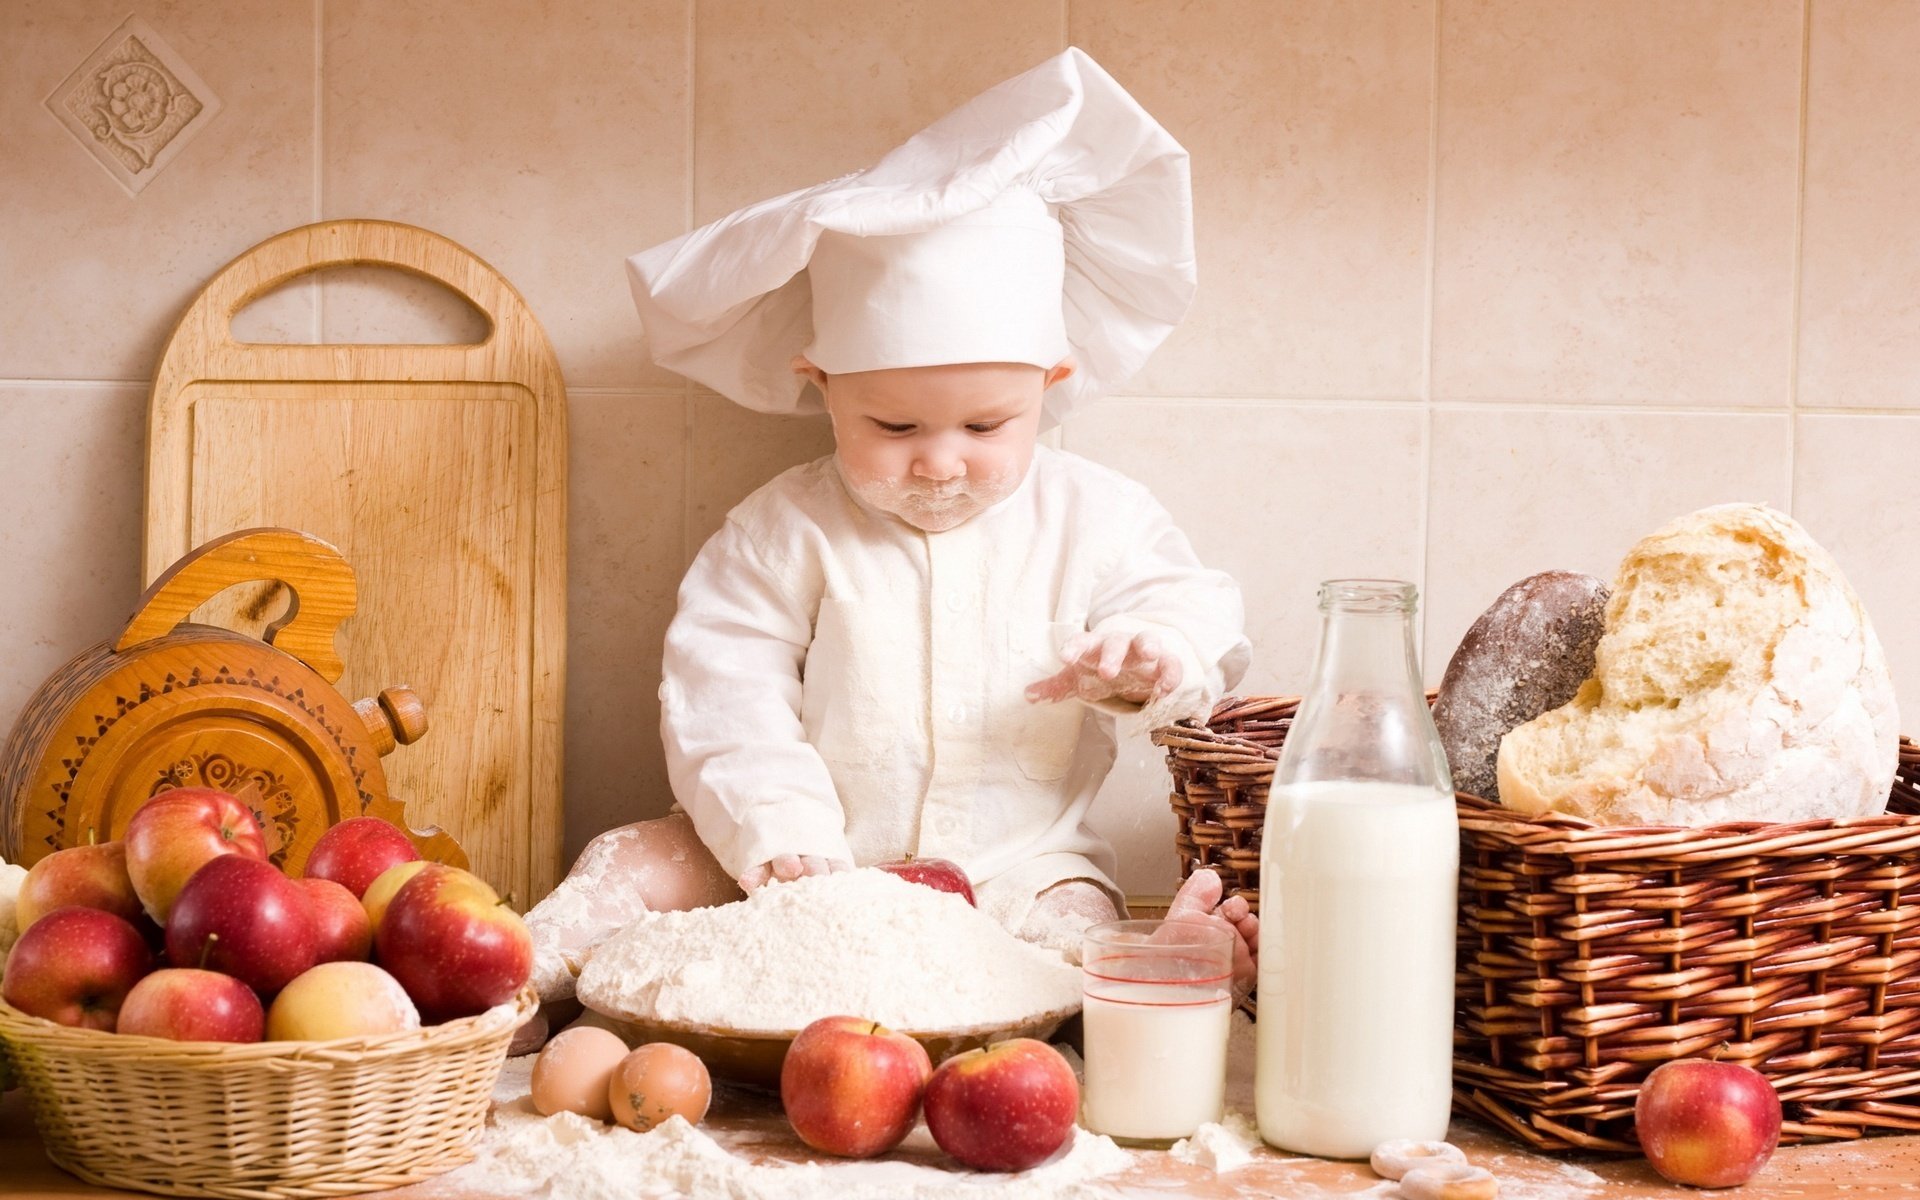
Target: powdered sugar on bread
{"points": [[1739, 679]]}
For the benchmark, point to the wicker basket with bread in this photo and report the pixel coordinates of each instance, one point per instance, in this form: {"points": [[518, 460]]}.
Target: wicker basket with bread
{"points": [[1693, 831]]}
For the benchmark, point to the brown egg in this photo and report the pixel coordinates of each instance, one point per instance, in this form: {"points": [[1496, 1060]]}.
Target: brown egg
{"points": [[658, 1081], [575, 1070]]}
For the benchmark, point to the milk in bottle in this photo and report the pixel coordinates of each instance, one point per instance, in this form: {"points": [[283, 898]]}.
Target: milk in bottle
{"points": [[1358, 871]]}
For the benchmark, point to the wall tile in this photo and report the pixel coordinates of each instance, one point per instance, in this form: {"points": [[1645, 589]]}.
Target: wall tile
{"points": [[787, 95], [108, 273], [552, 146], [732, 451], [1615, 201], [69, 526], [1281, 497], [1308, 124], [1860, 256], [1522, 491], [1849, 476], [626, 483]]}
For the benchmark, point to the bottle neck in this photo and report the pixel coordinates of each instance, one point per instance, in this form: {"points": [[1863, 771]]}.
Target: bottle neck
{"points": [[1364, 715], [1366, 651]]}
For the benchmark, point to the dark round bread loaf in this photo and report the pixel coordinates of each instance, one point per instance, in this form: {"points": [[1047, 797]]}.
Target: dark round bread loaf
{"points": [[1527, 654]]}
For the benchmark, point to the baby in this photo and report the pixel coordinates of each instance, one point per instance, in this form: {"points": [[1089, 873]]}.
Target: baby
{"points": [[921, 644]]}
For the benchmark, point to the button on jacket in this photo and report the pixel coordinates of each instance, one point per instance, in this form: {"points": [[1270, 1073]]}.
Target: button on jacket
{"points": [[840, 683]]}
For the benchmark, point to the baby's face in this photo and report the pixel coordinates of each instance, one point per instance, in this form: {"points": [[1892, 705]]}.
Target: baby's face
{"points": [[935, 446]]}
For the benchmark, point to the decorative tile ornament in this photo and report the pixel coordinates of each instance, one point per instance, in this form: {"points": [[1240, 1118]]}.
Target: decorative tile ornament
{"points": [[134, 104]]}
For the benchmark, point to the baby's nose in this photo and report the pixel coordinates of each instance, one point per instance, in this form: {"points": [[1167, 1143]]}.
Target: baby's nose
{"points": [[936, 467]]}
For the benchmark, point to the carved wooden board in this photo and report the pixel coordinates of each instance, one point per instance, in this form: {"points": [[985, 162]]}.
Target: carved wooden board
{"points": [[440, 472]]}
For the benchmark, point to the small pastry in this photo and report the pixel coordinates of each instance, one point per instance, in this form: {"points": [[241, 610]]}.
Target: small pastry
{"points": [[1449, 1181], [1392, 1160]]}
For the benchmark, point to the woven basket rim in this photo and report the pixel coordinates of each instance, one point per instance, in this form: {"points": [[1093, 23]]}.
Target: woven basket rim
{"points": [[158, 1051], [1561, 833]]}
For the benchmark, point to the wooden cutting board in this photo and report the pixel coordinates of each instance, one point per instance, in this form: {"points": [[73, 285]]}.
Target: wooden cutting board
{"points": [[440, 472]]}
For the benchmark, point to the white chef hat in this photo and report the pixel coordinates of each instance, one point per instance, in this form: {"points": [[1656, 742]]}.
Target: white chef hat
{"points": [[1049, 215]]}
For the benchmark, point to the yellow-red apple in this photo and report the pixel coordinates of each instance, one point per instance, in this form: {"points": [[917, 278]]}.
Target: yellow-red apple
{"points": [[190, 1005], [341, 930], [174, 834], [243, 917], [75, 967], [1007, 1107], [852, 1087], [381, 891], [452, 943], [340, 1000], [355, 852], [81, 877], [1707, 1124]]}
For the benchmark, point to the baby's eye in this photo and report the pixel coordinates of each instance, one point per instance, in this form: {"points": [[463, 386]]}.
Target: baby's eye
{"points": [[985, 426], [890, 427]]}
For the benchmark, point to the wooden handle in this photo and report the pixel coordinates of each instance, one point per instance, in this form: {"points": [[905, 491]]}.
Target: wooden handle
{"points": [[321, 584], [355, 243], [397, 717]]}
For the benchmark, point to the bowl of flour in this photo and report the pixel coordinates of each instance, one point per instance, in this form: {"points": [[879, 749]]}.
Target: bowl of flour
{"points": [[737, 982]]}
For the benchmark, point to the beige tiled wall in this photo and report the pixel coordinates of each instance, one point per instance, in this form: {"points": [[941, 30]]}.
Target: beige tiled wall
{"points": [[1487, 287]]}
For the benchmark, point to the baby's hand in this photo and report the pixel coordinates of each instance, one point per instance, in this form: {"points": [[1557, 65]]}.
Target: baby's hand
{"points": [[1199, 900], [1135, 667], [789, 867]]}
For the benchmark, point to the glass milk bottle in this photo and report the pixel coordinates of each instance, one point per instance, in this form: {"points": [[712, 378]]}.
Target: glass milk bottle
{"points": [[1359, 861]]}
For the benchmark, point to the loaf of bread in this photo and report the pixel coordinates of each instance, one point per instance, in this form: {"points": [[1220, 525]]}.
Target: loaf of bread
{"points": [[1528, 653], [1738, 680]]}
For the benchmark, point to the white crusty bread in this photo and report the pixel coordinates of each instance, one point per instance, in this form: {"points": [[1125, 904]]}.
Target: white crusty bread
{"points": [[1738, 680]]}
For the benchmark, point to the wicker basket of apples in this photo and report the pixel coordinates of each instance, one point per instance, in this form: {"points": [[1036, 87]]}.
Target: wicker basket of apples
{"points": [[188, 1020]]}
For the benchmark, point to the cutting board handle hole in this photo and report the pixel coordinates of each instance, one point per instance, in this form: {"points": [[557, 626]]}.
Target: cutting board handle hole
{"points": [[361, 305]]}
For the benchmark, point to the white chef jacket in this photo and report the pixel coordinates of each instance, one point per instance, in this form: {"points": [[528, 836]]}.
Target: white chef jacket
{"points": [[840, 683]]}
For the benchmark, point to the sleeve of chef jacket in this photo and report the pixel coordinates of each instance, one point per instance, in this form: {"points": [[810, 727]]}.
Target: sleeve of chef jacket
{"points": [[1158, 585], [737, 756]]}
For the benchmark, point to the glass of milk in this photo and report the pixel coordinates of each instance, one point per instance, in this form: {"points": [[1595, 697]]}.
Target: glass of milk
{"points": [[1359, 863], [1157, 1008]]}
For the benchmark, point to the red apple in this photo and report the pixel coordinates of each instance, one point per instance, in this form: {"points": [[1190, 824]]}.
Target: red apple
{"points": [[381, 891], [175, 833], [81, 877], [452, 943], [852, 1087], [243, 917], [75, 967], [355, 852], [1707, 1124], [340, 1000], [342, 932], [189, 1005], [940, 874], [1007, 1107]]}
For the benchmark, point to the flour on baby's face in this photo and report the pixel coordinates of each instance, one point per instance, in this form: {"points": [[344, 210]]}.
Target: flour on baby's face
{"points": [[935, 507], [936, 446]]}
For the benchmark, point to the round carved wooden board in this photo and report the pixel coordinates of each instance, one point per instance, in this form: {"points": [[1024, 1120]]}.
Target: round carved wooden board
{"points": [[202, 706]]}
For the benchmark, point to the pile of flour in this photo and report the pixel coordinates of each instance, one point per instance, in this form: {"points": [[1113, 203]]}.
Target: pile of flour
{"points": [[569, 1157], [859, 943]]}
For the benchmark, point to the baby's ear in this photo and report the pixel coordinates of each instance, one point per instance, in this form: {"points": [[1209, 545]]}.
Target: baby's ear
{"points": [[1060, 372], [802, 365]]}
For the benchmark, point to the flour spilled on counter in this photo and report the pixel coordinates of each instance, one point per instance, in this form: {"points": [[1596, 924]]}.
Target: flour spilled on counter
{"points": [[569, 1157], [1226, 1146], [858, 943]]}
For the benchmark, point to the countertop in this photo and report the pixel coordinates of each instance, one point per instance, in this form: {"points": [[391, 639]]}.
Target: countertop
{"points": [[1879, 1167]]}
